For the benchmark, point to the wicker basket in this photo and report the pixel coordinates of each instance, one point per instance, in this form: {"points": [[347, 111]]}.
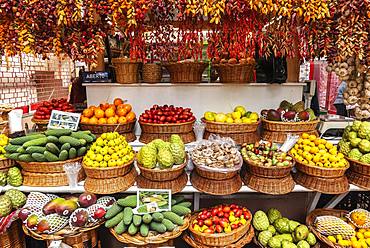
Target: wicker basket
{"points": [[268, 172], [279, 126], [176, 185], [186, 72], [152, 73], [310, 222], [180, 128], [163, 174], [6, 163], [41, 125], [337, 185], [226, 128], [153, 238], [357, 179], [4, 128], [215, 187], [108, 172], [214, 175], [235, 73], [48, 179], [47, 167], [239, 138], [84, 239], [322, 172], [359, 167], [111, 185], [280, 137], [13, 237], [258, 244], [218, 239], [148, 137], [127, 72]]}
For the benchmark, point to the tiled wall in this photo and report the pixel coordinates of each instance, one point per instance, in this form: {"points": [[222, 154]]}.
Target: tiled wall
{"points": [[29, 79]]}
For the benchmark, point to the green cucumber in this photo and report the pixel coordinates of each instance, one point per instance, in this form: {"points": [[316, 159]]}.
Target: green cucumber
{"points": [[39, 157], [52, 139], [158, 227], [72, 141], [120, 228], [128, 201], [13, 156], [174, 218], [24, 139], [11, 148], [132, 229], [21, 150], [50, 156], [184, 204], [58, 132], [144, 230], [169, 225], [63, 155], [136, 220], [81, 151], [158, 217], [180, 210], [114, 221], [36, 142], [82, 135], [35, 149], [72, 153], [65, 146], [25, 158], [128, 215], [113, 211], [147, 218], [51, 147]]}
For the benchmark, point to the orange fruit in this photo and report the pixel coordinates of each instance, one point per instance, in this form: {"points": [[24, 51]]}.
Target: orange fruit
{"points": [[104, 106], [130, 116], [92, 108], [117, 117], [117, 101], [99, 113], [102, 121], [88, 113], [121, 112], [84, 120], [120, 106], [112, 120], [128, 107], [93, 120], [112, 106], [109, 112], [122, 120]]}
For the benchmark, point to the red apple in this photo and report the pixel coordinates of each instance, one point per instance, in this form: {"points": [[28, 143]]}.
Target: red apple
{"points": [[219, 228], [208, 222]]}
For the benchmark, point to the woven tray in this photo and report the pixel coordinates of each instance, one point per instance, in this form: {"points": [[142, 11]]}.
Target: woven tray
{"points": [[47, 167], [337, 185], [310, 222], [13, 237], [105, 128], [235, 73], [186, 72], [279, 126], [218, 239], [280, 137], [163, 174], [359, 167], [239, 138], [215, 187], [148, 137], [152, 238], [180, 128], [225, 128], [246, 239], [268, 172], [321, 171], [108, 172], [357, 179], [48, 179], [111, 185], [176, 185], [6, 163]]}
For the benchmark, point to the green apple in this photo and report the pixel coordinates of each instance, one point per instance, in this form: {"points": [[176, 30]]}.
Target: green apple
{"points": [[220, 117], [209, 116], [236, 115], [247, 114], [240, 109], [229, 120], [254, 116], [238, 121]]}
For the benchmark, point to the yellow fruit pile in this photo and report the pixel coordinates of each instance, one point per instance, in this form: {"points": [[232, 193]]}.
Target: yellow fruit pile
{"points": [[4, 140], [109, 150], [360, 240], [314, 151]]}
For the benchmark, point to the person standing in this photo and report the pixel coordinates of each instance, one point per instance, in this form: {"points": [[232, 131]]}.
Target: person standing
{"points": [[339, 103]]}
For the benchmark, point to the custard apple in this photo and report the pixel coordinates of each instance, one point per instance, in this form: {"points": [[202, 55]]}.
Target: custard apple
{"points": [[364, 146], [260, 221], [5, 205], [344, 147], [293, 225], [160, 144], [165, 158], [264, 237], [147, 157], [282, 225], [272, 229], [365, 159], [347, 130], [356, 125], [355, 154], [178, 153], [364, 130], [152, 145], [2, 179], [287, 244], [273, 214], [175, 138], [14, 177], [275, 242], [303, 244], [17, 197], [311, 239], [355, 142], [286, 236]]}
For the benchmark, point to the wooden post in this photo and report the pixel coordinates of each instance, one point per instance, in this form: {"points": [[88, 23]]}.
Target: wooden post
{"points": [[293, 64]]}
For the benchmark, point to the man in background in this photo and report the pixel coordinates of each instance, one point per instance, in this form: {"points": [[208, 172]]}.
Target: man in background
{"points": [[339, 103]]}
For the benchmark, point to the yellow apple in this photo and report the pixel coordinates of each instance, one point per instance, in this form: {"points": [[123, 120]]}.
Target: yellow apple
{"points": [[254, 116], [229, 120], [229, 115], [247, 121], [209, 116], [236, 115], [238, 121], [220, 117], [240, 109]]}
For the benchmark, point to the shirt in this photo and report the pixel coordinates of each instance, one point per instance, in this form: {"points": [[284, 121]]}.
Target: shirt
{"points": [[342, 87]]}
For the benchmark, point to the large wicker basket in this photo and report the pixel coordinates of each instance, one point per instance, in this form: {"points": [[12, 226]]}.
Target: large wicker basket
{"points": [[186, 72], [6, 163], [127, 72], [13, 237], [358, 179], [322, 172], [279, 126], [152, 73], [268, 172], [176, 185], [216, 187], [239, 138], [82, 239], [359, 167], [41, 125], [108, 172], [280, 137], [47, 167], [235, 73], [48, 179]]}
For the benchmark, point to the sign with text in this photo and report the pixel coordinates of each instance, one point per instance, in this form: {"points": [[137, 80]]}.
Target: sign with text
{"points": [[64, 120]]}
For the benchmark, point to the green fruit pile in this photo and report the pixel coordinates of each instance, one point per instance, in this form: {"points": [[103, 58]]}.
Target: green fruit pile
{"points": [[276, 231], [51, 146], [355, 142], [122, 218], [13, 177], [162, 154], [12, 199]]}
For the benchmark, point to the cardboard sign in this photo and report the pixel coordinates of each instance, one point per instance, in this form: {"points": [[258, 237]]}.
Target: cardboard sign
{"points": [[64, 120], [153, 200]]}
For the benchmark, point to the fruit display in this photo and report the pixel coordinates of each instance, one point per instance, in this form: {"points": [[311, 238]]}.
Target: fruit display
{"points": [[12, 199], [124, 220], [355, 143], [13, 177], [109, 150], [313, 151], [288, 112], [4, 141], [276, 231], [161, 154], [167, 114], [52, 145], [119, 112], [49, 214], [239, 115], [43, 111], [265, 154], [221, 219]]}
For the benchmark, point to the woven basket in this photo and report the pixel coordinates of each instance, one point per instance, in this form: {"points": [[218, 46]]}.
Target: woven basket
{"points": [[47, 167], [176, 185], [186, 72], [337, 185], [48, 179], [105, 128], [279, 126], [235, 73], [127, 72], [310, 222], [280, 137], [166, 128], [153, 238], [13, 237], [226, 128], [6, 163], [4, 128], [84, 239], [239, 138], [321, 171], [359, 167], [218, 239], [148, 137], [41, 125], [246, 239], [215, 187], [357, 179], [268, 172], [163, 174], [214, 175], [152, 73], [258, 244], [111, 185], [108, 172]]}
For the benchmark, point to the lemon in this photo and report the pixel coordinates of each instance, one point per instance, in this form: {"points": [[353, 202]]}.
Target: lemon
{"points": [[95, 164], [316, 158], [306, 142], [323, 141], [328, 145], [305, 136], [339, 237], [314, 150], [111, 150], [366, 234], [300, 141], [307, 148], [332, 239], [340, 155], [112, 163], [353, 238], [319, 164], [312, 137], [322, 147], [115, 156], [103, 164], [360, 235], [99, 157], [106, 157]]}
